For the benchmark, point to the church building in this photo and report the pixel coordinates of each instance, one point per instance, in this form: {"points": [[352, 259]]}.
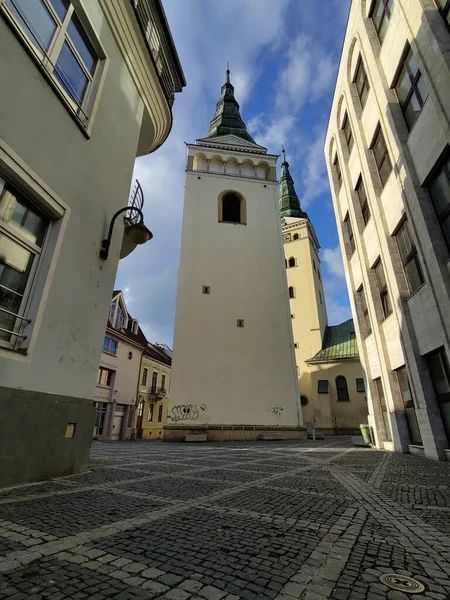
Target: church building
{"points": [[331, 377], [234, 374]]}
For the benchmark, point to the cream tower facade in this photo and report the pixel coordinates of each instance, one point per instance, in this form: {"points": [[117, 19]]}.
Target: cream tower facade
{"points": [[233, 368], [331, 377], [388, 158]]}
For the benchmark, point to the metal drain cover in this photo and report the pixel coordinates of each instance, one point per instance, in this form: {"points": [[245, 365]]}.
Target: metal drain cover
{"points": [[402, 583]]}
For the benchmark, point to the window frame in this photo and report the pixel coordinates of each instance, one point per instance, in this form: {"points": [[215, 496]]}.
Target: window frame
{"points": [[163, 381], [144, 376], [160, 413], [363, 93], [364, 204], [350, 236], [154, 384], [324, 388], [383, 289], [445, 12], [383, 408], [442, 216], [385, 15], [360, 385], [109, 345], [341, 390], [291, 291], [83, 112], [293, 261], [414, 90], [337, 170], [242, 208], [412, 256], [348, 133], [364, 310], [379, 138], [110, 374]]}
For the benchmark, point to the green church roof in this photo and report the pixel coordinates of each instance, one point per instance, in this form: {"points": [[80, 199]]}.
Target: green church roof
{"points": [[227, 120], [339, 344], [289, 202]]}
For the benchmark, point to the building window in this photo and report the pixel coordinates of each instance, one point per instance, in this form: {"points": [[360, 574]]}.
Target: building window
{"points": [[383, 288], [360, 386], [337, 169], [232, 208], [439, 190], [381, 156], [109, 345], [295, 345], [120, 318], [364, 310], [151, 411], [23, 230], [154, 382], [362, 83], [319, 275], [408, 405], [320, 298], [381, 14], [444, 5], [410, 260], [292, 316], [314, 265], [292, 262], [341, 388], [440, 377], [411, 89], [322, 386], [59, 41], [144, 376], [240, 323], [100, 418], [160, 413], [291, 292], [304, 401], [104, 377], [163, 382], [347, 128], [349, 231], [295, 236], [206, 289], [361, 191], [383, 408]]}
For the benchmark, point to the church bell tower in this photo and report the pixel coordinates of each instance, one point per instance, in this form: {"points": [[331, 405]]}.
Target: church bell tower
{"points": [[234, 374]]}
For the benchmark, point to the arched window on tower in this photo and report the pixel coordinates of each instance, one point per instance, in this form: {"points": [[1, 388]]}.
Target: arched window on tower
{"points": [[292, 262], [232, 208], [341, 388], [291, 292], [295, 236]]}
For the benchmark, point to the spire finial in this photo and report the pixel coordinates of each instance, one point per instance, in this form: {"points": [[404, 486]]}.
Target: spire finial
{"points": [[228, 72]]}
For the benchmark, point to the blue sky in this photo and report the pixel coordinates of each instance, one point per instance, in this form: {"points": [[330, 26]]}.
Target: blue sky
{"points": [[283, 57]]}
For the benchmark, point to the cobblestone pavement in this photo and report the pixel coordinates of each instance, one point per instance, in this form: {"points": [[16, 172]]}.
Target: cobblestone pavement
{"points": [[275, 521]]}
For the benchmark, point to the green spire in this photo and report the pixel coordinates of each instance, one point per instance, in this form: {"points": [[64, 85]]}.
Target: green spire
{"points": [[289, 202], [227, 119]]}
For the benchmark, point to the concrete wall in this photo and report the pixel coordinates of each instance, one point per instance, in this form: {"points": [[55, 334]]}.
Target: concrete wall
{"points": [[233, 375]]}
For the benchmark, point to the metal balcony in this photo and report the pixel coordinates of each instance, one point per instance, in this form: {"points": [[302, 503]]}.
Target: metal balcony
{"points": [[157, 393]]}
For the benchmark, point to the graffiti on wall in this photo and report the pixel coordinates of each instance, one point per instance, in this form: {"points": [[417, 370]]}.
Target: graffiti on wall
{"points": [[186, 412], [276, 410]]}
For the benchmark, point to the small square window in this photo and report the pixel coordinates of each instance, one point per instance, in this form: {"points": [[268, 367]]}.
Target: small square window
{"points": [[70, 430], [292, 316], [360, 387], [295, 345], [322, 386], [206, 289], [240, 322]]}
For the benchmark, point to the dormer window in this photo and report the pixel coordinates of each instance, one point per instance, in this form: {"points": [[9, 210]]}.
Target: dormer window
{"points": [[134, 327], [119, 318]]}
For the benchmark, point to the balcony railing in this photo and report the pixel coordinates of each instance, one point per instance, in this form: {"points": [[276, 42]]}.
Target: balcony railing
{"points": [[136, 201], [157, 392], [160, 44]]}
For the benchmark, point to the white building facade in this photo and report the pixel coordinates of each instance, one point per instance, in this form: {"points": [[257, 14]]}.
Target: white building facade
{"points": [[388, 158], [233, 365]]}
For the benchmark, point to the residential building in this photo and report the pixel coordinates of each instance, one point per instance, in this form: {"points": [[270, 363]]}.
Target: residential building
{"points": [[116, 391], [388, 158], [233, 365], [90, 86], [154, 388], [330, 375]]}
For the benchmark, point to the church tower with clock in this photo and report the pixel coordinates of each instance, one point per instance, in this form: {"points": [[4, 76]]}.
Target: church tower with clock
{"points": [[234, 374]]}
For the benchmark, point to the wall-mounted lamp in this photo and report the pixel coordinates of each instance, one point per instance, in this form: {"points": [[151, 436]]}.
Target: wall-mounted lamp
{"points": [[137, 232]]}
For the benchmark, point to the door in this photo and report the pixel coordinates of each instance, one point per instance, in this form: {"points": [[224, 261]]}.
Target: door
{"points": [[117, 422]]}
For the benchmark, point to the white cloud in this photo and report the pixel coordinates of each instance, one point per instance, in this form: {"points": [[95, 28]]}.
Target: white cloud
{"points": [[334, 286], [332, 258]]}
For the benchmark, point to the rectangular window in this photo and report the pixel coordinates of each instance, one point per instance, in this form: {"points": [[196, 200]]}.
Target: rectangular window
{"points": [[154, 382], [410, 260], [151, 411], [440, 377], [100, 418], [383, 288], [383, 408], [381, 14], [364, 310], [348, 133], [337, 168], [381, 156], [59, 41], [109, 345], [411, 89], [23, 230], [144, 376], [104, 377], [322, 386], [439, 190], [362, 83], [444, 5], [408, 405], [348, 227], [361, 191], [160, 413], [120, 318], [360, 385], [163, 382]]}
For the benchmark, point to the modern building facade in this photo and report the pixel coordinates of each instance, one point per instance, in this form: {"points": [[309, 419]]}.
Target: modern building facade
{"points": [[116, 392], [233, 368], [154, 389], [90, 86], [330, 375], [387, 152]]}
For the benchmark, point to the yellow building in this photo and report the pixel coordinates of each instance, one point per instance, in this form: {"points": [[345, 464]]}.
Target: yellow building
{"points": [[154, 385], [331, 378]]}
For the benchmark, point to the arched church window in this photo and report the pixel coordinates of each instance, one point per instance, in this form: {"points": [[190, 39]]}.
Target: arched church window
{"points": [[292, 262], [232, 208], [291, 292], [341, 388], [295, 236]]}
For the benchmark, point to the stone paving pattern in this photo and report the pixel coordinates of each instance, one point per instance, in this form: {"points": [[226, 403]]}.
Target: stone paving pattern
{"points": [[254, 521]]}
